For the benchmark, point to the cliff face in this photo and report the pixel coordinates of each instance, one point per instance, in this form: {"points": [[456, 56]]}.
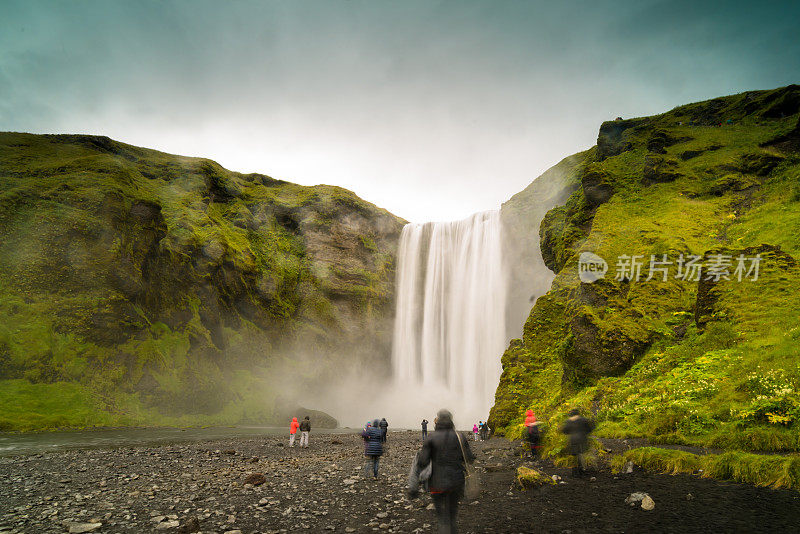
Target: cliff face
{"points": [[146, 287], [705, 359], [529, 276]]}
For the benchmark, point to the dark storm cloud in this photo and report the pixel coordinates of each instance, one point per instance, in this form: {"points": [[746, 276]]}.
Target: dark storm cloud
{"points": [[430, 109]]}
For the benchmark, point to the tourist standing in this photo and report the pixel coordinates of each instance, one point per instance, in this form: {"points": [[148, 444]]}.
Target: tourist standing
{"points": [[424, 429], [305, 428], [384, 429], [293, 430], [445, 451], [475, 431], [578, 428], [533, 433], [373, 447]]}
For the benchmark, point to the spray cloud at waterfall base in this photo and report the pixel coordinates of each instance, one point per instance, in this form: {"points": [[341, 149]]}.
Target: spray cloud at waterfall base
{"points": [[449, 328]]}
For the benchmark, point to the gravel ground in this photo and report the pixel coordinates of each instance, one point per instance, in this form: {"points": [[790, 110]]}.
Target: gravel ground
{"points": [[202, 486]]}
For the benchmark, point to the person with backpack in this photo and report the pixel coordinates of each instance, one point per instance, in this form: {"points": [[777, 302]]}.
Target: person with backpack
{"points": [[533, 434], [484, 431], [475, 432], [578, 428], [447, 452], [373, 447], [293, 430], [305, 428], [384, 429]]}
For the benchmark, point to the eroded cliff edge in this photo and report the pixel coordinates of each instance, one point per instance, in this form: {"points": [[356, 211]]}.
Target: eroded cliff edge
{"points": [[680, 360]]}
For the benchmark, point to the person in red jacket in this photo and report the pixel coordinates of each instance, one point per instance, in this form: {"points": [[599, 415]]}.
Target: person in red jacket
{"points": [[293, 430], [533, 433]]}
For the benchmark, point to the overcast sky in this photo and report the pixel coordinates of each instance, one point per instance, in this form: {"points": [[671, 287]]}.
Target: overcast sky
{"points": [[432, 110]]}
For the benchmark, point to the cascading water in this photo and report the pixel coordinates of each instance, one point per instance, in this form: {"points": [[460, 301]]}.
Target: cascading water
{"points": [[450, 319]]}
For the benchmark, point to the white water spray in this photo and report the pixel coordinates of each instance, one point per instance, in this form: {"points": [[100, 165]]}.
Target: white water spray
{"points": [[450, 319]]}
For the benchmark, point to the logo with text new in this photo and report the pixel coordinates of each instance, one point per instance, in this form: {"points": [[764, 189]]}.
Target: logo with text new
{"points": [[591, 267]]}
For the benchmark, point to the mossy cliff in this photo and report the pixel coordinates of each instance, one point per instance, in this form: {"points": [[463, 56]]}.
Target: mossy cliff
{"points": [[710, 361], [138, 287]]}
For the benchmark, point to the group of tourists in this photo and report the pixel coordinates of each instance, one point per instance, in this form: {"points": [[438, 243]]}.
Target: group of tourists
{"points": [[441, 466], [576, 427], [481, 431], [304, 427]]}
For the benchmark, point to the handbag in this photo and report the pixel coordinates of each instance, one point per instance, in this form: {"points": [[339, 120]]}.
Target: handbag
{"points": [[472, 483]]}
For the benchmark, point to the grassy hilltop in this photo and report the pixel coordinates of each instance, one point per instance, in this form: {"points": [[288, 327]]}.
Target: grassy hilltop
{"points": [[138, 287], [713, 363]]}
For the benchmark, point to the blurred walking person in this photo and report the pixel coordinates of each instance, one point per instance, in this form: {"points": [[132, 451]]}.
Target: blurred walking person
{"points": [[447, 452], [578, 429], [293, 431], [373, 447], [305, 428], [424, 429]]}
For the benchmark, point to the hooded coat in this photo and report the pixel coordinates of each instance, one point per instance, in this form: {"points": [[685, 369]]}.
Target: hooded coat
{"points": [[293, 427], [532, 428], [530, 418], [373, 439], [443, 450], [578, 429]]}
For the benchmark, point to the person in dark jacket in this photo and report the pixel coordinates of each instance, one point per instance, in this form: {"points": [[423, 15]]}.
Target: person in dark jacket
{"points": [[305, 428], [373, 447], [384, 429], [424, 429], [443, 450], [578, 428], [534, 434]]}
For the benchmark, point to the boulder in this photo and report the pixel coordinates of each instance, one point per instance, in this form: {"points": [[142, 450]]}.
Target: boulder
{"points": [[528, 477], [256, 479], [189, 525], [635, 498]]}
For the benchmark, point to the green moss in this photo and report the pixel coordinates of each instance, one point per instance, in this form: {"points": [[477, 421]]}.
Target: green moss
{"points": [[757, 469], [669, 360], [151, 280], [532, 478]]}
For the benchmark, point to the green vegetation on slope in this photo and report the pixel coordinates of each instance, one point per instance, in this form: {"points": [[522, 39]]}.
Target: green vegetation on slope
{"points": [[678, 361], [138, 287], [757, 469]]}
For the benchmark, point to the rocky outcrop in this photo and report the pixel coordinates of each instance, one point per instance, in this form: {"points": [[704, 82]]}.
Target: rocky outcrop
{"points": [[615, 137], [659, 169], [597, 185]]}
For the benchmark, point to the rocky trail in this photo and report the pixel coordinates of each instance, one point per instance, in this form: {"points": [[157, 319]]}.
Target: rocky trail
{"points": [[261, 485]]}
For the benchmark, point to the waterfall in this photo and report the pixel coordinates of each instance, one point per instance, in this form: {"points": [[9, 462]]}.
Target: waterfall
{"points": [[449, 329]]}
